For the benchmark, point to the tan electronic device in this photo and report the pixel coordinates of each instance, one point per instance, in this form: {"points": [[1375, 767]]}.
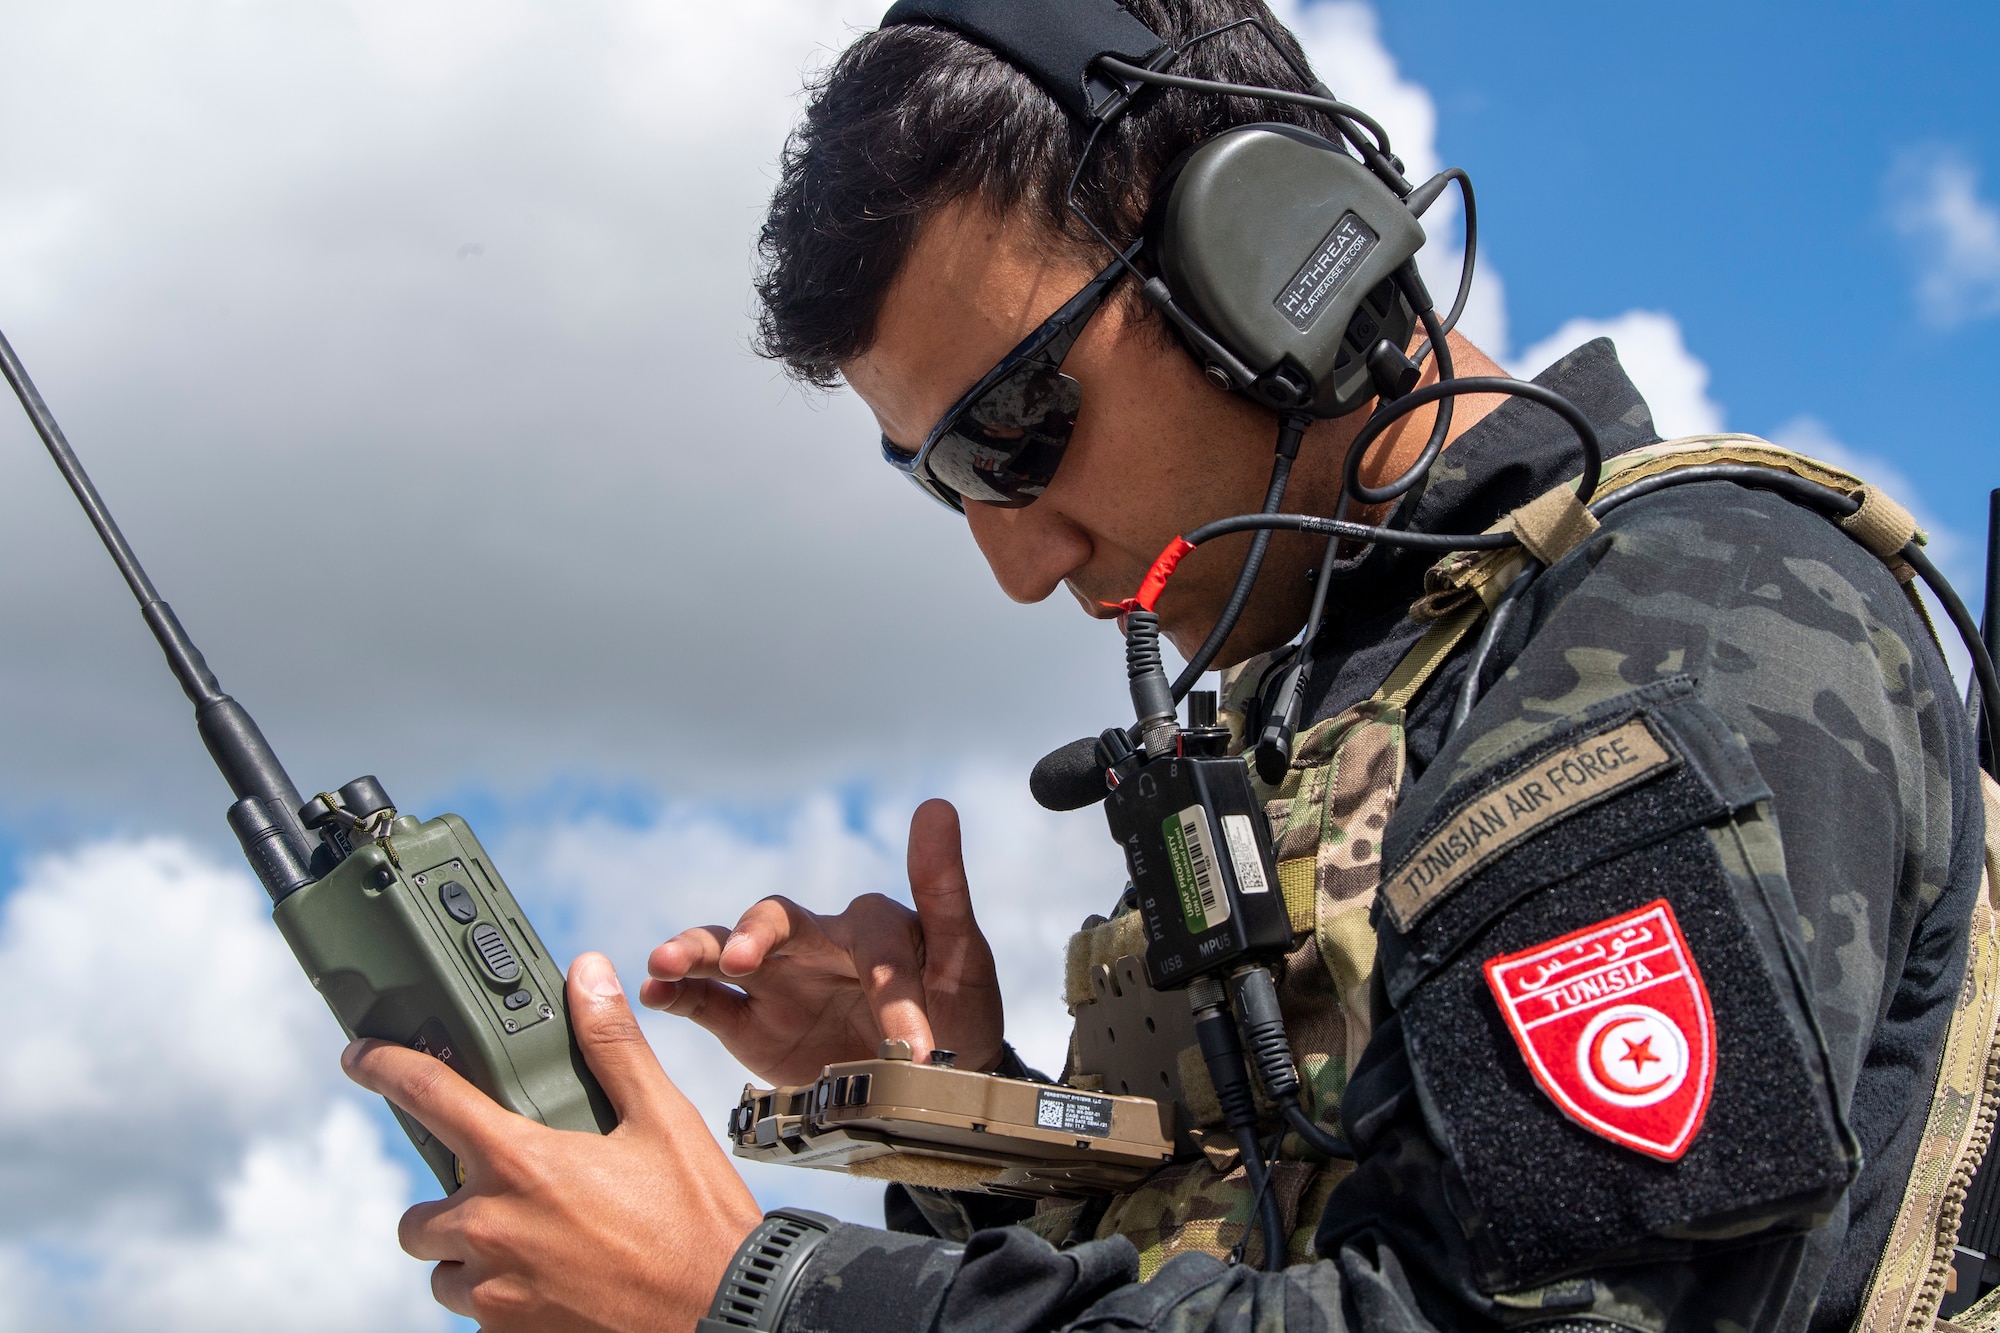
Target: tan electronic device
{"points": [[891, 1119]]}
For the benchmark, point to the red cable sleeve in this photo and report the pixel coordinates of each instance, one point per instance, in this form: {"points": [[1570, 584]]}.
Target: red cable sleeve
{"points": [[1156, 578]]}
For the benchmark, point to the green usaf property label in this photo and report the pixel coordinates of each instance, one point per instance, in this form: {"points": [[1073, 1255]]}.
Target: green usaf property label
{"points": [[1558, 784], [1191, 852]]}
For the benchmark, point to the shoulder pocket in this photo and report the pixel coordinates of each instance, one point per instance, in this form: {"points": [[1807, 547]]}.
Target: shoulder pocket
{"points": [[1594, 963]]}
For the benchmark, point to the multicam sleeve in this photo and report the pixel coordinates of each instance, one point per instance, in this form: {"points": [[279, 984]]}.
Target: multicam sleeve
{"points": [[1669, 933]]}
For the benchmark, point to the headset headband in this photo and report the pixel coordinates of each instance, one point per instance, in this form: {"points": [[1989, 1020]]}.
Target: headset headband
{"points": [[1055, 42]]}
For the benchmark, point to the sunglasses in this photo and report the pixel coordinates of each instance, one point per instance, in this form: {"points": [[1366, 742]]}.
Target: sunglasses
{"points": [[1000, 444]]}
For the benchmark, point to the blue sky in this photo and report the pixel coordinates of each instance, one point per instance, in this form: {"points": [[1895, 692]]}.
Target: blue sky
{"points": [[1736, 164], [407, 340]]}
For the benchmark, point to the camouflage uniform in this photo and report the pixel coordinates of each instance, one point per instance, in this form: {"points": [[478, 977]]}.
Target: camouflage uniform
{"points": [[1817, 835]]}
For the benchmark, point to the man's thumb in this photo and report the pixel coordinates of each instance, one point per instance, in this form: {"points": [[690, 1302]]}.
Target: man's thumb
{"points": [[609, 1036]]}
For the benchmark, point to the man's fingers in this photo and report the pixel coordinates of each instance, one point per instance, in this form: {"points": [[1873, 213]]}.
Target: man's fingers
{"points": [[451, 1287], [692, 953], [460, 1115], [721, 1009], [430, 1231], [938, 885], [773, 926], [889, 962], [961, 988], [613, 1045], [957, 957]]}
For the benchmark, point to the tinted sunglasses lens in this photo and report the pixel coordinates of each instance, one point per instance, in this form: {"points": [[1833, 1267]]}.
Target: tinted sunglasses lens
{"points": [[1004, 446], [905, 463]]}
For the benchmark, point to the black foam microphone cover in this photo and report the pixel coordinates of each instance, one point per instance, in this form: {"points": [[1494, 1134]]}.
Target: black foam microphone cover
{"points": [[1069, 778]]}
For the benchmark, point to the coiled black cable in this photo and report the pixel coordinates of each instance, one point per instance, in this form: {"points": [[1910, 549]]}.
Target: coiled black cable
{"points": [[1823, 498], [1466, 258], [1142, 644], [1270, 1218], [1496, 621], [1365, 532]]}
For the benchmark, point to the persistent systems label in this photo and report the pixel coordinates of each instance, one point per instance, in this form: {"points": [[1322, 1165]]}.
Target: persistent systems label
{"points": [[1553, 787], [1329, 269], [1074, 1113], [1191, 852]]}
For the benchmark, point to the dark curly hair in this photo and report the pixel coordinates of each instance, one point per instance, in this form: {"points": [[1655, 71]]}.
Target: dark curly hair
{"points": [[912, 118]]}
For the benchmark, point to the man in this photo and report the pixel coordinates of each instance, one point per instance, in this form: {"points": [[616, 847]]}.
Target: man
{"points": [[1758, 786]]}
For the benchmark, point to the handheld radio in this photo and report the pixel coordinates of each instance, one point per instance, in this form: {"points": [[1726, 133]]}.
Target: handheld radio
{"points": [[404, 926]]}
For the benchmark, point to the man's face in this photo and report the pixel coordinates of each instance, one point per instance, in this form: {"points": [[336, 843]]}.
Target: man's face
{"points": [[1157, 449]]}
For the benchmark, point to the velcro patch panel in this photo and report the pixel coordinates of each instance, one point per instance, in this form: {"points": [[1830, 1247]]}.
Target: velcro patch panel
{"points": [[1604, 1032]]}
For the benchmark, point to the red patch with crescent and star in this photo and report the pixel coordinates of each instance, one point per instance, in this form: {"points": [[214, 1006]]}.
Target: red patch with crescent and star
{"points": [[1616, 1027]]}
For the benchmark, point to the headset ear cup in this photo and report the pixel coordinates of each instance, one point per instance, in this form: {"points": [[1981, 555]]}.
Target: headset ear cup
{"points": [[1270, 240]]}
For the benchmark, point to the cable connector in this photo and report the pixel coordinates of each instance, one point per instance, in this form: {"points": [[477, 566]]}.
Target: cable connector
{"points": [[1262, 1023], [1274, 747], [1152, 692]]}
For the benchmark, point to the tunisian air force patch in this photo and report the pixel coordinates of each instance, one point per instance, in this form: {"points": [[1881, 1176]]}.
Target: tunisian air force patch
{"points": [[1616, 1027]]}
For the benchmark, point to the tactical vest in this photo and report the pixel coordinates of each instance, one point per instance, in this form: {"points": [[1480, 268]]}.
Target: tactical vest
{"points": [[1327, 818]]}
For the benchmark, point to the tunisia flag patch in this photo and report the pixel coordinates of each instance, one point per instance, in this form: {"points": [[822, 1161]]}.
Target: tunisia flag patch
{"points": [[1616, 1027]]}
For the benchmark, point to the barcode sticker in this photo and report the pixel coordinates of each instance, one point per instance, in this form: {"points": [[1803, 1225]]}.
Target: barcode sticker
{"points": [[1241, 836], [1191, 851], [1073, 1112]]}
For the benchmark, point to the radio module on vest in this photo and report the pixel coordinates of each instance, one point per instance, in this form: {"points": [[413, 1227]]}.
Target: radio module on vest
{"points": [[403, 925]]}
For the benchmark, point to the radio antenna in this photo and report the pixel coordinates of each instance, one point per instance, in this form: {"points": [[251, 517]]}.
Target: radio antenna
{"points": [[265, 816]]}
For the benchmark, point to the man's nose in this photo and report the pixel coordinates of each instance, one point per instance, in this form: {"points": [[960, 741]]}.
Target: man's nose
{"points": [[1030, 550]]}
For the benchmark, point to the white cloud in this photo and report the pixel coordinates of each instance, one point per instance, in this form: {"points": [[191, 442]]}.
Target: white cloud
{"points": [[177, 1150], [449, 302], [305, 1242], [1344, 42], [1673, 380], [408, 342], [1952, 233], [444, 308], [153, 998]]}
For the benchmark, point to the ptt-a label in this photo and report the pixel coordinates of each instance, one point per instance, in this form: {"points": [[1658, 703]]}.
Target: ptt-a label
{"points": [[1073, 1112], [1191, 852]]}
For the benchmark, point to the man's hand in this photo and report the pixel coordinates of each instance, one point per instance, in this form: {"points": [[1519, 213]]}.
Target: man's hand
{"points": [[558, 1230], [789, 991]]}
